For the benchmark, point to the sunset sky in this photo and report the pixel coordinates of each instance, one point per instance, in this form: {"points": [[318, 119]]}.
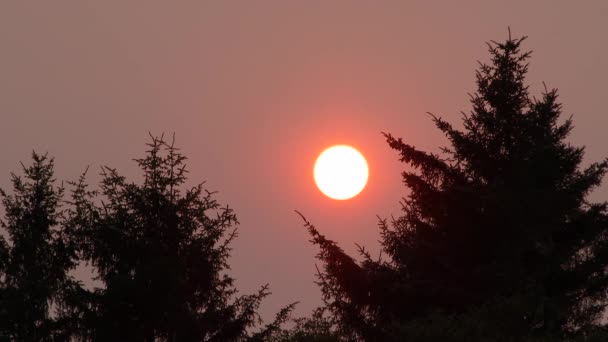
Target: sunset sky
{"points": [[255, 90]]}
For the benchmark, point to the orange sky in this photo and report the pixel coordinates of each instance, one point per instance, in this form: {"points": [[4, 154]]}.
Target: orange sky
{"points": [[256, 90]]}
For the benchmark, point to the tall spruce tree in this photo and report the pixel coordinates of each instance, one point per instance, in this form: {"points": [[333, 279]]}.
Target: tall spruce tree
{"points": [[35, 263], [161, 253], [498, 226]]}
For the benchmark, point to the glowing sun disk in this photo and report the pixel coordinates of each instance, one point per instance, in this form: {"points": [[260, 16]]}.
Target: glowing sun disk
{"points": [[341, 172]]}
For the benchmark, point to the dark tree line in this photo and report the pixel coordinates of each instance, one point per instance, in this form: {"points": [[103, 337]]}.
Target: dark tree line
{"points": [[497, 241], [160, 251]]}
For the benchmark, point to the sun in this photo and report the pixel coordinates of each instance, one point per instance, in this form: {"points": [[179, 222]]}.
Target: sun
{"points": [[341, 172]]}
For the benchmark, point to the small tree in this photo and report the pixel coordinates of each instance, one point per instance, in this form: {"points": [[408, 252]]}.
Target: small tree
{"points": [[34, 265], [161, 253], [500, 222]]}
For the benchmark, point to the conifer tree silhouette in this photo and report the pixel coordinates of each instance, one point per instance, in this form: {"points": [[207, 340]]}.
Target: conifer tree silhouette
{"points": [[35, 262], [498, 224], [161, 253]]}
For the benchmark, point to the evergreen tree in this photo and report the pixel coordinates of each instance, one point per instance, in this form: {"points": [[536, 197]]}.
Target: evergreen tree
{"points": [[162, 255], [498, 226], [34, 265]]}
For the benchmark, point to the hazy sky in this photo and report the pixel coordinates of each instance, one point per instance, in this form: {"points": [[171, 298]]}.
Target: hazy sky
{"points": [[254, 90]]}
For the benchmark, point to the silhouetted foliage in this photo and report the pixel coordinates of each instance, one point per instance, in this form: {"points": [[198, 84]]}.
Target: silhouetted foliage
{"points": [[161, 254], [35, 262], [316, 328], [497, 240], [275, 327], [485, 323]]}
